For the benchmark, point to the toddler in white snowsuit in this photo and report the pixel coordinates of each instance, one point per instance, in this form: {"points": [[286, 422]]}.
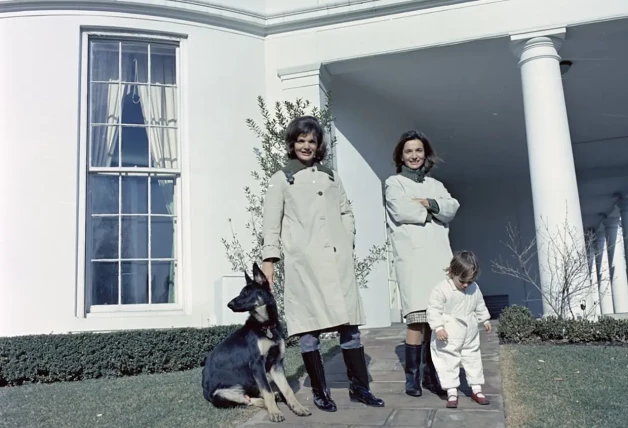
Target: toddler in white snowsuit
{"points": [[455, 309]]}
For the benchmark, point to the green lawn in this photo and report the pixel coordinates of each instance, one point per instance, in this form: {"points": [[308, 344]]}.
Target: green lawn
{"points": [[164, 400], [565, 386]]}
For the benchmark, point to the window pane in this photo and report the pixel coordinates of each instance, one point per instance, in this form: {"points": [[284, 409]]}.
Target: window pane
{"points": [[162, 196], [133, 104], [163, 64], [104, 101], [163, 282], [164, 106], [104, 61], [134, 195], [104, 283], [134, 237], [134, 146], [104, 146], [134, 283], [104, 237], [162, 237], [135, 62], [163, 145], [104, 194]]}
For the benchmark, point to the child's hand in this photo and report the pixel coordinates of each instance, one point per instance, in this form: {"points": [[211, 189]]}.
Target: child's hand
{"points": [[488, 327], [442, 335]]}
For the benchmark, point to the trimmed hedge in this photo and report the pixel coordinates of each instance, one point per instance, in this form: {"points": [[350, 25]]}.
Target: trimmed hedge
{"points": [[72, 357], [517, 325]]}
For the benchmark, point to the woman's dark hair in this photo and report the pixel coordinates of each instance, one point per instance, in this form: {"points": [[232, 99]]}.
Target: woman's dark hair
{"points": [[431, 158], [306, 125], [464, 265]]}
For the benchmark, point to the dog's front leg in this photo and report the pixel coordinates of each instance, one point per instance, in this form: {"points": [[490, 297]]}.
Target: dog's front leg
{"points": [[278, 375], [259, 373]]}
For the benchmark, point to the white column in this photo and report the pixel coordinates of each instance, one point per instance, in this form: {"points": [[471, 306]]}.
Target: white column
{"points": [[617, 264], [623, 215], [595, 298], [552, 172], [604, 281]]}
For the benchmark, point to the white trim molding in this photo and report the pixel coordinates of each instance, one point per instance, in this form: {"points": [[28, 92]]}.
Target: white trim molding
{"points": [[238, 19]]}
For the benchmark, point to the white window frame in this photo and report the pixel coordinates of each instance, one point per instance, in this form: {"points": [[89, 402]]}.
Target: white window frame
{"points": [[83, 291]]}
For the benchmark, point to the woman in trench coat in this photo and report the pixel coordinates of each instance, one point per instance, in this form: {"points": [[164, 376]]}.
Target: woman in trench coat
{"points": [[419, 209], [307, 210]]}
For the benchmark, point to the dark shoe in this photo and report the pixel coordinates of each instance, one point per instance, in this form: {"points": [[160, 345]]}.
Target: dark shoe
{"points": [[452, 403], [480, 398], [314, 367], [359, 378], [413, 370]]}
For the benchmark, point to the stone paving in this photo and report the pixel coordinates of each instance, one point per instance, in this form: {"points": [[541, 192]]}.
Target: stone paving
{"points": [[385, 354]]}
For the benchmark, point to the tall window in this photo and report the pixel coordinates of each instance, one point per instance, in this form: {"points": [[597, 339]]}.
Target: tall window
{"points": [[133, 174]]}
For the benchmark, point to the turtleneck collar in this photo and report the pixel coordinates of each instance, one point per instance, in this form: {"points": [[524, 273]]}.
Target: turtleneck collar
{"points": [[417, 175], [295, 165]]}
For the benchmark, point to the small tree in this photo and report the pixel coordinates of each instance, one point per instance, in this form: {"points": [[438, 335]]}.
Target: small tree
{"points": [[271, 156], [568, 265]]}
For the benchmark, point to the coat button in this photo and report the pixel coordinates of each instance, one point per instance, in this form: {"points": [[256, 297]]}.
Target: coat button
{"points": [[320, 193], [334, 249]]}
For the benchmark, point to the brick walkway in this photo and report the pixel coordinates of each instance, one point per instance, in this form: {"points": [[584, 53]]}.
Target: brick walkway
{"points": [[385, 354]]}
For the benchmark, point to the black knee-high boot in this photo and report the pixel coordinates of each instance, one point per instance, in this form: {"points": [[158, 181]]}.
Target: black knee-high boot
{"points": [[314, 367], [358, 375], [414, 369], [430, 377]]}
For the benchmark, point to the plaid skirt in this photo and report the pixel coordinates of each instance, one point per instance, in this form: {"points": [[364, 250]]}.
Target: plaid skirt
{"points": [[416, 317]]}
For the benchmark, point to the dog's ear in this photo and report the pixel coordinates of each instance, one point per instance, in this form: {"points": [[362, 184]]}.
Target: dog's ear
{"points": [[247, 277], [259, 276]]}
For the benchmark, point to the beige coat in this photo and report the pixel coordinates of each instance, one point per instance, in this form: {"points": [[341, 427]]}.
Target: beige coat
{"points": [[421, 247], [314, 221]]}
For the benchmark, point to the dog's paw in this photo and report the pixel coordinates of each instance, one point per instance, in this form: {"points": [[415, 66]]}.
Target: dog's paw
{"points": [[301, 410], [276, 416]]}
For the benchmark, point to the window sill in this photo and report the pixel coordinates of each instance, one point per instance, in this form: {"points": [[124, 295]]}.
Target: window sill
{"points": [[109, 311]]}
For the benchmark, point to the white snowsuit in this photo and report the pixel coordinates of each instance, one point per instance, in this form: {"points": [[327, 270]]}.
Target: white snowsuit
{"points": [[459, 313]]}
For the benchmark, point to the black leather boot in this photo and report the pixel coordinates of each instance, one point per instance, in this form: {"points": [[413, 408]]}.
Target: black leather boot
{"points": [[430, 377], [314, 367], [414, 356], [359, 378]]}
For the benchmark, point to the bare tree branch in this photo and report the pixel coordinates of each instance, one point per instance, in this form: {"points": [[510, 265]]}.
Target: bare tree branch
{"points": [[567, 264]]}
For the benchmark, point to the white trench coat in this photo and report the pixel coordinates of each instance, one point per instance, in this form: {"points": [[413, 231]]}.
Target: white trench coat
{"points": [[314, 221], [421, 248], [459, 313]]}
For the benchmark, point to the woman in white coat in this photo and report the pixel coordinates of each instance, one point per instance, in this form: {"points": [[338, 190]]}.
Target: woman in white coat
{"points": [[419, 210], [306, 208]]}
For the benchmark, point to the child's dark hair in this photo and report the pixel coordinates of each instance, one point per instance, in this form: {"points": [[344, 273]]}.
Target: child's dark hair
{"points": [[306, 125], [431, 158], [465, 266]]}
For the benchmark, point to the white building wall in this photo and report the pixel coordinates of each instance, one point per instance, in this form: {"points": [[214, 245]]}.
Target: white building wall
{"points": [[225, 71], [221, 77]]}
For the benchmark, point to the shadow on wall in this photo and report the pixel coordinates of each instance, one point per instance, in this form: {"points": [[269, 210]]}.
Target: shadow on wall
{"points": [[367, 130]]}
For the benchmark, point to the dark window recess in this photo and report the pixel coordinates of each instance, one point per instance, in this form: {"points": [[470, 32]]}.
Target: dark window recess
{"points": [[496, 304]]}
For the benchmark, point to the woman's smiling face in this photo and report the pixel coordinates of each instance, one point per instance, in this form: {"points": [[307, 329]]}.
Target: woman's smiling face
{"points": [[305, 148], [413, 155]]}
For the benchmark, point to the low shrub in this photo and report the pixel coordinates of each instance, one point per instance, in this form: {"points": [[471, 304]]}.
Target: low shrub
{"points": [[517, 325], [72, 357]]}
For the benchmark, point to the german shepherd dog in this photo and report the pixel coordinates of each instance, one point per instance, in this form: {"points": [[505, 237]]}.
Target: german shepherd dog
{"points": [[236, 371]]}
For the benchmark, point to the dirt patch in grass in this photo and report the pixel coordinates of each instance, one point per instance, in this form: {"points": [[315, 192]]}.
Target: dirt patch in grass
{"points": [[155, 401], [516, 411]]}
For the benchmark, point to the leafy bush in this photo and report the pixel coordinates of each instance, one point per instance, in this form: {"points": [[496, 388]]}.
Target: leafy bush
{"points": [[71, 357], [517, 325]]}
